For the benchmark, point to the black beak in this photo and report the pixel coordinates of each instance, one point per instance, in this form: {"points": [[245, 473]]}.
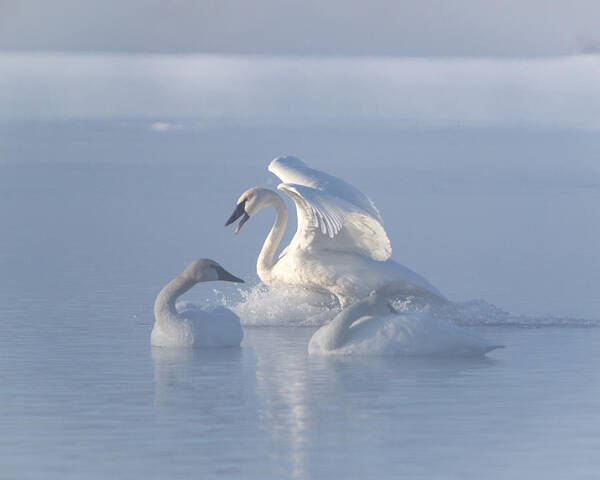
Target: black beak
{"points": [[237, 213], [240, 211], [228, 277]]}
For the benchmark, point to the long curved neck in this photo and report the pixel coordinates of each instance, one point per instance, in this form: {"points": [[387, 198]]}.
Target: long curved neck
{"points": [[339, 326], [266, 261], [164, 306]]}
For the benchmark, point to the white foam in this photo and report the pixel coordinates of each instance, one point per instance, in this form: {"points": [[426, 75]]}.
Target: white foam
{"points": [[259, 305], [482, 313]]}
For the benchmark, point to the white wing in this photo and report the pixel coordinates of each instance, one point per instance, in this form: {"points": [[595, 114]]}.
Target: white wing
{"points": [[346, 218], [293, 170]]}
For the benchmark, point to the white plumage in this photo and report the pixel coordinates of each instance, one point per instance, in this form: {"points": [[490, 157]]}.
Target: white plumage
{"points": [[194, 327], [340, 246], [372, 327]]}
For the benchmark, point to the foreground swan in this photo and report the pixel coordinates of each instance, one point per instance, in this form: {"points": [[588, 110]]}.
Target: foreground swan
{"points": [[340, 246], [372, 327], [217, 328]]}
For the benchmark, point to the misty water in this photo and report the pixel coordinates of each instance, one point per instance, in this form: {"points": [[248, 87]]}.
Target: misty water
{"points": [[97, 215]]}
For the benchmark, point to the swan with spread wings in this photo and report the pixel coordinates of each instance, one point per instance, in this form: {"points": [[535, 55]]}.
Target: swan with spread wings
{"points": [[340, 246]]}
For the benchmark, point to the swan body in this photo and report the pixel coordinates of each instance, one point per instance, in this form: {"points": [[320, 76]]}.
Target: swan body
{"points": [[219, 327], [340, 247], [372, 327]]}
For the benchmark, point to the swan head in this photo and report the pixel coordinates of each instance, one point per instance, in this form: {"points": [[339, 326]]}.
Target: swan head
{"points": [[249, 203], [206, 270], [379, 304], [382, 299]]}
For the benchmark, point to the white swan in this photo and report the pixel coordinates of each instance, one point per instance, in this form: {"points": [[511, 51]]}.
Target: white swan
{"points": [[217, 328], [372, 327], [340, 246]]}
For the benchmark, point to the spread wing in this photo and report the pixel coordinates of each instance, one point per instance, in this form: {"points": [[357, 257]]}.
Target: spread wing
{"points": [[331, 213]]}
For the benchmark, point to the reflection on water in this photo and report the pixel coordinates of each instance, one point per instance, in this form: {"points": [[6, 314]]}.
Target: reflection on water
{"points": [[295, 401], [191, 371], [268, 410], [304, 400], [85, 248], [271, 389]]}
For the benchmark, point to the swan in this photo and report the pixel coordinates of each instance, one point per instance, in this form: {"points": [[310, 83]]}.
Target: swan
{"points": [[340, 247], [371, 326], [217, 328]]}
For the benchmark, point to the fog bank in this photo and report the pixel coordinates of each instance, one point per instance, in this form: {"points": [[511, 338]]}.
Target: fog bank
{"points": [[560, 92]]}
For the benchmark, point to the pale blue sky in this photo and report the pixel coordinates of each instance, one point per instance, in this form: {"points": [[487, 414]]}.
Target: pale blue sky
{"points": [[339, 27]]}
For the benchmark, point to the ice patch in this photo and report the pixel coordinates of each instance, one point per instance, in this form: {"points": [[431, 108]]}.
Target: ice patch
{"points": [[165, 127]]}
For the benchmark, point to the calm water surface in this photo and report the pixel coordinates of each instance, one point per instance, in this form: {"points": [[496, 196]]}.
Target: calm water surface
{"points": [[75, 407], [85, 247]]}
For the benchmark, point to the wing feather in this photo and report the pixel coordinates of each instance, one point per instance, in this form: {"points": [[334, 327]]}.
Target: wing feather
{"points": [[347, 227], [338, 210], [293, 170]]}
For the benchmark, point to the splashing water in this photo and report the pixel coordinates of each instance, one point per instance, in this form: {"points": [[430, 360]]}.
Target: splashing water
{"points": [[260, 305], [482, 313]]}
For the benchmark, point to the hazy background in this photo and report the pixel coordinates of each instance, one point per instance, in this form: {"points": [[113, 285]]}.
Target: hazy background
{"points": [[557, 92], [513, 28], [428, 63], [474, 126], [500, 97]]}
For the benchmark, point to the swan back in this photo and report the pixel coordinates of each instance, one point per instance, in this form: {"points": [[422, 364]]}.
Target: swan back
{"points": [[214, 327], [372, 327], [414, 334]]}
